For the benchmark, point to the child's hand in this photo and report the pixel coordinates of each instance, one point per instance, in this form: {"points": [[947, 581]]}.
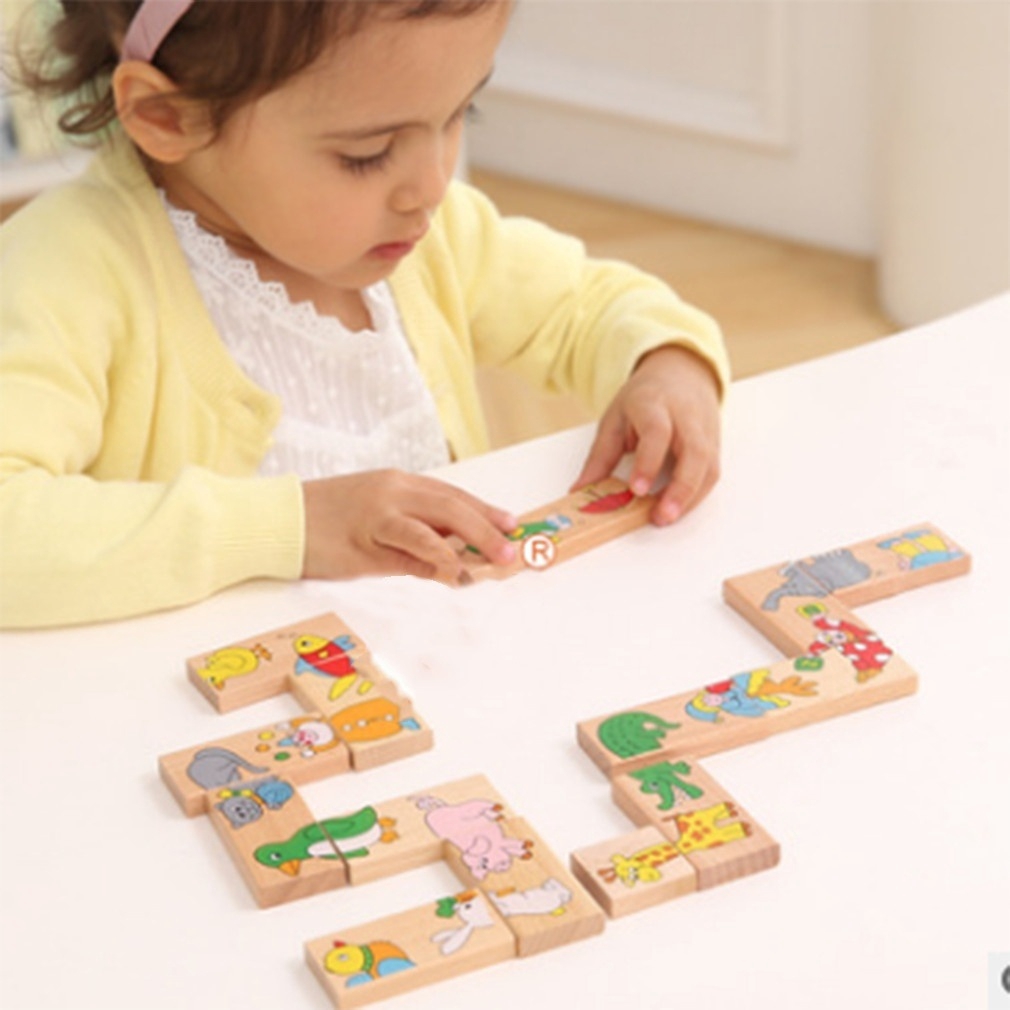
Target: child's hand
{"points": [[386, 522], [669, 405]]}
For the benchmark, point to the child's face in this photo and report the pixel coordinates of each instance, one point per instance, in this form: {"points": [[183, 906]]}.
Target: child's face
{"points": [[335, 174]]}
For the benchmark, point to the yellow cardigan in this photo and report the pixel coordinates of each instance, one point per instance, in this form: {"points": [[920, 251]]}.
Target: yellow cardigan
{"points": [[130, 439]]}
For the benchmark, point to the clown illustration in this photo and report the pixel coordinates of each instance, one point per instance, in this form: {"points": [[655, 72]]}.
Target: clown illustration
{"points": [[749, 695], [860, 646]]}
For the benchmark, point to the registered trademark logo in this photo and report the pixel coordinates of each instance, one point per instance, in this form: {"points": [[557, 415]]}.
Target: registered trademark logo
{"points": [[539, 551]]}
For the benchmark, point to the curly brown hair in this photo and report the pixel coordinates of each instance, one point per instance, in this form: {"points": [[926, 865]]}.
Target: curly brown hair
{"points": [[223, 53]]}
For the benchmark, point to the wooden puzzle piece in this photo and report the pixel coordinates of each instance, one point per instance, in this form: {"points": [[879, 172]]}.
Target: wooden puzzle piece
{"points": [[303, 749], [399, 840], [634, 872], [797, 624], [874, 569], [514, 885], [381, 730], [623, 740], [282, 852], [419, 826], [707, 825], [440, 940], [285, 852], [363, 680], [565, 528], [837, 664], [542, 903], [742, 709], [356, 716], [851, 576], [257, 668]]}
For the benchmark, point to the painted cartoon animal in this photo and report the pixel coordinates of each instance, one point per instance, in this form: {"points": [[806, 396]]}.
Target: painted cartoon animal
{"points": [[247, 805], [630, 733], [748, 695], [703, 829], [374, 719], [820, 576], [550, 525], [920, 549], [641, 866], [699, 829], [361, 963], [549, 898], [235, 661], [212, 767], [350, 837], [860, 646], [472, 910], [472, 827], [666, 780], [311, 734], [328, 657], [371, 720]]}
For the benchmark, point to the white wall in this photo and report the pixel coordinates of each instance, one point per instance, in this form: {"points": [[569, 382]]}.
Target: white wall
{"points": [[868, 126], [748, 112], [944, 155]]}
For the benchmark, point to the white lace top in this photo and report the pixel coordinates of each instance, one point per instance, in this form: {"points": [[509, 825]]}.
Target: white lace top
{"points": [[350, 401]]}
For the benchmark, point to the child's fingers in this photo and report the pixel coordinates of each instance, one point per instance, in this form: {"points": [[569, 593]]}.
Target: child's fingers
{"points": [[694, 473], [470, 519], [655, 433], [417, 544], [605, 453], [456, 496]]}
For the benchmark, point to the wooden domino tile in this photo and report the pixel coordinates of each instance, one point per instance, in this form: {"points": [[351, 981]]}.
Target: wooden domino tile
{"points": [[633, 872], [418, 825], [887, 565], [280, 849], [543, 904], [399, 841], [303, 749], [795, 623], [565, 528], [355, 715], [707, 825], [362, 680], [836, 665], [257, 668], [624, 739], [444, 938], [381, 730], [743, 709], [517, 898]]}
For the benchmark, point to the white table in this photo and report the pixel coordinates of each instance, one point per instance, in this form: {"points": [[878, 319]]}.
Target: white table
{"points": [[894, 823]]}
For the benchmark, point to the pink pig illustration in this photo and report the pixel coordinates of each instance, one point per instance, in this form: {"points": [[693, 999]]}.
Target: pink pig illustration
{"points": [[472, 827]]}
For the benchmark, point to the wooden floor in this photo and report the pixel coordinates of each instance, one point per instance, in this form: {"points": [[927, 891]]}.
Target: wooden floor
{"points": [[778, 302]]}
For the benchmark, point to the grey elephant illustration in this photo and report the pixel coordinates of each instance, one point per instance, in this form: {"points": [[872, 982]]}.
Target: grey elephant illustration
{"points": [[216, 766], [820, 576]]}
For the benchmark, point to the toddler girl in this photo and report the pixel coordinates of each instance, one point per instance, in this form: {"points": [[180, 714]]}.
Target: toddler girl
{"points": [[231, 346]]}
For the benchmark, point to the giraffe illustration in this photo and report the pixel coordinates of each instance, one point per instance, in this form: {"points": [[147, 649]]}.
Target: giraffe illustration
{"points": [[699, 830]]}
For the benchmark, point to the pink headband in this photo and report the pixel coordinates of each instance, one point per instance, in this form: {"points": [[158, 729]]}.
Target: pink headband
{"points": [[152, 22]]}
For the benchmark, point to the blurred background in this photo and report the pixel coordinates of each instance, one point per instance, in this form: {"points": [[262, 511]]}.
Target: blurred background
{"points": [[814, 173]]}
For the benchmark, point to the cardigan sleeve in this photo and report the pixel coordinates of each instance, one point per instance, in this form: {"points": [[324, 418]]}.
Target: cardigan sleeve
{"points": [[91, 528], [539, 305]]}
